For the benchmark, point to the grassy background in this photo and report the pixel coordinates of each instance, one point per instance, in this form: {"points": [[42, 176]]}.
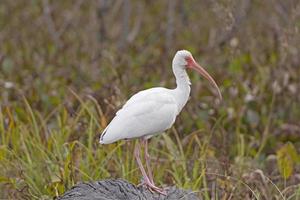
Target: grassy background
{"points": [[67, 66]]}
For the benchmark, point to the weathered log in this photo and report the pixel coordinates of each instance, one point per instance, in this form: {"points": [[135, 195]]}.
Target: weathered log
{"points": [[118, 189]]}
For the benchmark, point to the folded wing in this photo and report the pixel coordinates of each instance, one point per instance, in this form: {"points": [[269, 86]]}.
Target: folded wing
{"points": [[144, 114]]}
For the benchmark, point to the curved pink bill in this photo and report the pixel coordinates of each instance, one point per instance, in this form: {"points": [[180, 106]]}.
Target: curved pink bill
{"points": [[194, 65]]}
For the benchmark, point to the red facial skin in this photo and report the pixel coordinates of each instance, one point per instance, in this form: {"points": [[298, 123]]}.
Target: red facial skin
{"points": [[192, 64]]}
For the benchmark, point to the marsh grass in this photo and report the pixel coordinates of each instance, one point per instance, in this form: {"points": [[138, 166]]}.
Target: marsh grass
{"points": [[43, 156], [67, 66]]}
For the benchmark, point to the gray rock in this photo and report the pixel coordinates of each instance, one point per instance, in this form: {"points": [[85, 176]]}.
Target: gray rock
{"points": [[118, 189]]}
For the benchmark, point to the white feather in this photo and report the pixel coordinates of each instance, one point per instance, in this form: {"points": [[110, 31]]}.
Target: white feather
{"points": [[151, 111], [146, 113]]}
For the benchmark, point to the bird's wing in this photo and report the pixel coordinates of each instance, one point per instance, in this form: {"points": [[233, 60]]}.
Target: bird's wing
{"points": [[145, 113], [158, 95]]}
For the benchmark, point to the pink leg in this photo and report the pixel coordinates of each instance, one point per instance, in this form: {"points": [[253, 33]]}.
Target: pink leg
{"points": [[138, 159], [148, 183], [147, 157]]}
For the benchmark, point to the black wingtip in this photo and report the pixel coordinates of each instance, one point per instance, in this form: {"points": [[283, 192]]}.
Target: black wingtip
{"points": [[101, 137]]}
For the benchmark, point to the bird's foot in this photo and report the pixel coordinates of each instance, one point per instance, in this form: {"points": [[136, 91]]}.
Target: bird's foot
{"points": [[153, 188]]}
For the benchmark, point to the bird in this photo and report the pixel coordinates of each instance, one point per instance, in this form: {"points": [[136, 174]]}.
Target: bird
{"points": [[153, 111]]}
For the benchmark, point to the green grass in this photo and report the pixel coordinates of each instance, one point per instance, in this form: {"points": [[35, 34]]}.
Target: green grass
{"points": [[66, 68], [43, 156]]}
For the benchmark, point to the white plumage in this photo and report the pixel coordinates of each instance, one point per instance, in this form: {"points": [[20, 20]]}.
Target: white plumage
{"points": [[153, 111], [144, 114]]}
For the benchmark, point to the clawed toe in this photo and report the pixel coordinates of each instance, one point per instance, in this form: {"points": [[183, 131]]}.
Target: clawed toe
{"points": [[159, 190], [153, 188]]}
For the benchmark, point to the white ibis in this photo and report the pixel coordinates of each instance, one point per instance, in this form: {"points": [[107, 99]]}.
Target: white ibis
{"points": [[152, 111]]}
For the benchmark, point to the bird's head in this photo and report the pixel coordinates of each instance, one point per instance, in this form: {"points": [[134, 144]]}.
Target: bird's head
{"points": [[184, 59], [181, 58]]}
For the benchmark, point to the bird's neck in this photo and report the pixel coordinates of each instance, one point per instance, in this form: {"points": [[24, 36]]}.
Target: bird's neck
{"points": [[183, 89]]}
